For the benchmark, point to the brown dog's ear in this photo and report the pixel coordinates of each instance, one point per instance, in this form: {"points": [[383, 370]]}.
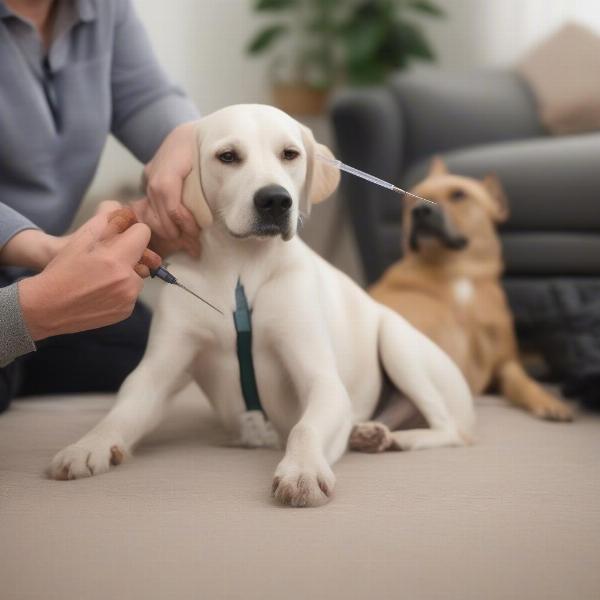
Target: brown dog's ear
{"points": [[322, 179], [492, 184], [193, 194], [437, 167]]}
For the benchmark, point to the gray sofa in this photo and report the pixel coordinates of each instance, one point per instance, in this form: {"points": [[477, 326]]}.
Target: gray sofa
{"points": [[479, 122]]}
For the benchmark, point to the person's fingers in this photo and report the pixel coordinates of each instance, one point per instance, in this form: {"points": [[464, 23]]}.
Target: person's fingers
{"points": [[159, 241], [119, 221], [148, 263], [150, 217], [146, 214], [108, 206], [131, 244], [141, 208], [89, 233], [151, 259], [142, 270], [192, 246], [162, 194], [183, 218]]}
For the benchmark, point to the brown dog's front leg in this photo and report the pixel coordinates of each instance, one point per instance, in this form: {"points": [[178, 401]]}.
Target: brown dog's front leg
{"points": [[520, 389]]}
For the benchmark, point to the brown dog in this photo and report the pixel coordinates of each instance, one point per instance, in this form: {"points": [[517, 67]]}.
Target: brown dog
{"points": [[448, 286]]}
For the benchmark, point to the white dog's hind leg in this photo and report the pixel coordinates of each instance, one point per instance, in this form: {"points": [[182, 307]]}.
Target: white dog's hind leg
{"points": [[138, 410], [420, 439], [421, 370]]}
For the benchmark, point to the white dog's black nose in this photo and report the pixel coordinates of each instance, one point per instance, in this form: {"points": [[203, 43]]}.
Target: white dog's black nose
{"points": [[272, 201]]}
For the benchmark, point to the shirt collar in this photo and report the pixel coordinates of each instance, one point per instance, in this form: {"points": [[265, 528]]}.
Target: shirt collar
{"points": [[4, 12], [85, 10]]}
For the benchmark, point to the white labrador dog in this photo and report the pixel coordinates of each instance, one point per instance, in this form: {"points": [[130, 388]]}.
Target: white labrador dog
{"points": [[320, 343]]}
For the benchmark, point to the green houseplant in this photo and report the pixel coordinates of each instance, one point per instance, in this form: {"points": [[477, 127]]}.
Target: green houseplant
{"points": [[317, 44]]}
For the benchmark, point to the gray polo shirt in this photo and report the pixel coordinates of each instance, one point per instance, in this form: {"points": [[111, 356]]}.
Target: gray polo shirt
{"points": [[100, 76]]}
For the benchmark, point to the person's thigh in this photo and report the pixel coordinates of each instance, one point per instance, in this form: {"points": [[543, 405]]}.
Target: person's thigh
{"points": [[91, 361], [10, 382], [10, 376]]}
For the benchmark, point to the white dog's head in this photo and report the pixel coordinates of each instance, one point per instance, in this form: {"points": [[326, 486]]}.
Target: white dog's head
{"points": [[256, 172]]}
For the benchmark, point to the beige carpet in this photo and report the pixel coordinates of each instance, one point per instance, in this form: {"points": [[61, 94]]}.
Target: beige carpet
{"points": [[515, 516]]}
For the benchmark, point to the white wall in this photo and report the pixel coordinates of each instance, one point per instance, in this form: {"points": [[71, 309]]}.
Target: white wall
{"points": [[480, 33], [201, 45]]}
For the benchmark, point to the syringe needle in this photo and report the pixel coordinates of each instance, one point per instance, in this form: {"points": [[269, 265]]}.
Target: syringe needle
{"points": [[411, 195], [168, 277], [368, 177], [178, 283]]}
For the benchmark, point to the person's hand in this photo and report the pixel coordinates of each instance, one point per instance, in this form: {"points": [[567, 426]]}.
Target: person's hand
{"points": [[163, 246], [90, 283], [164, 176], [34, 249]]}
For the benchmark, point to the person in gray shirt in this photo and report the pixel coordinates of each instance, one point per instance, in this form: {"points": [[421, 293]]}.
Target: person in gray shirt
{"points": [[71, 72]]}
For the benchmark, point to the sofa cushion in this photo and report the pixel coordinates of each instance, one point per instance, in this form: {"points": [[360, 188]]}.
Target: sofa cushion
{"points": [[442, 111], [564, 74]]}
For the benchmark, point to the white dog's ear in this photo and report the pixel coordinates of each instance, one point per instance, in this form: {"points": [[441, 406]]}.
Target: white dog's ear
{"points": [[322, 179], [193, 194], [437, 167], [494, 187]]}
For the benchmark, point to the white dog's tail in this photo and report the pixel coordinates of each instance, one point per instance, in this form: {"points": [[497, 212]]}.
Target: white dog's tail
{"points": [[425, 373]]}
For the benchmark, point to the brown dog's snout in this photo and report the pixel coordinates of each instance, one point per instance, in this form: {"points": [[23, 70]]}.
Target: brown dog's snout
{"points": [[431, 221], [423, 211]]}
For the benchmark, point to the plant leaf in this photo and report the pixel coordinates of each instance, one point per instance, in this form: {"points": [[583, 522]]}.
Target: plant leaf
{"points": [[272, 5], [363, 39], [366, 73], [427, 7], [265, 38], [410, 40]]}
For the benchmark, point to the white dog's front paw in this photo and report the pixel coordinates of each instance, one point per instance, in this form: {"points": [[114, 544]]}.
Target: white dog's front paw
{"points": [[303, 485], [88, 457]]}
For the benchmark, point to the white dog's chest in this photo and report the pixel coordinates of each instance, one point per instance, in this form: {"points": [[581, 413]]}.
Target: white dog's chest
{"points": [[217, 371]]}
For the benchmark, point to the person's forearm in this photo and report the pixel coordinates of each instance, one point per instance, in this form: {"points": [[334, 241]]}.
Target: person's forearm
{"points": [[31, 249], [15, 339], [12, 223]]}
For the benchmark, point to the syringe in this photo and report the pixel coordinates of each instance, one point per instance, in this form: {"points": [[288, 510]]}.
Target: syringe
{"points": [[366, 176]]}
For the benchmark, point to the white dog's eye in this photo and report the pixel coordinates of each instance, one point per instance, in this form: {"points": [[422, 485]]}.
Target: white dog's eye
{"points": [[231, 156], [289, 154]]}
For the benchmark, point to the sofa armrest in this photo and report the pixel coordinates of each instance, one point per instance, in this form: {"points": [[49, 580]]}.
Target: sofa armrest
{"points": [[444, 111], [370, 135]]}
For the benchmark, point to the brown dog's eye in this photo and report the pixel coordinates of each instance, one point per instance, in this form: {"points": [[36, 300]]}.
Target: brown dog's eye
{"points": [[457, 195], [289, 154], [229, 157]]}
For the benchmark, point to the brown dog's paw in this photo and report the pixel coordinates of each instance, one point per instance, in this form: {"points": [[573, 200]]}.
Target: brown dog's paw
{"points": [[370, 437], [552, 409]]}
